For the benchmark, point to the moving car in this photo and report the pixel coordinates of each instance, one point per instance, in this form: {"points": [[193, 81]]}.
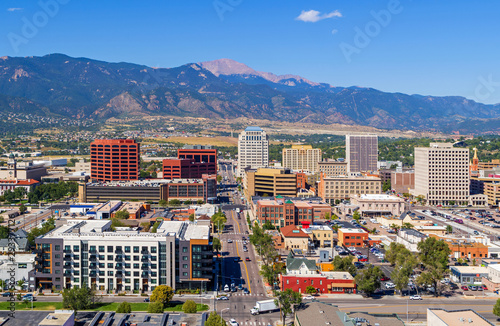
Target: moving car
{"points": [[6, 294], [222, 298], [385, 278], [229, 241], [309, 297], [415, 297], [247, 259], [233, 322]]}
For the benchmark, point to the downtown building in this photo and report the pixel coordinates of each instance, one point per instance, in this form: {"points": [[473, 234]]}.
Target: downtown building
{"points": [[253, 150], [90, 253], [301, 158], [114, 159], [191, 162], [442, 174], [361, 153]]}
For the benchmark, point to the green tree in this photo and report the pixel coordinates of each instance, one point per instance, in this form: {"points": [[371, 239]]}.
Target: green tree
{"points": [[287, 300], [344, 264], [327, 216], [79, 298], [268, 226], [22, 209], [219, 178], [219, 220], [188, 202], [386, 186], [189, 307], [174, 202], [155, 308], [216, 244], [4, 232], [368, 280], [310, 289], [155, 226], [356, 216], [395, 227], [405, 266], [449, 229], [200, 202], [451, 202], [395, 251], [496, 308], [122, 215], [163, 203], [124, 308], [337, 201], [433, 254], [162, 294], [19, 297], [215, 320], [191, 217], [407, 225], [20, 283]]}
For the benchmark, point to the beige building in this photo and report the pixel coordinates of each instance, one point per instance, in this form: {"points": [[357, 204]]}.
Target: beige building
{"points": [[301, 158], [361, 153], [378, 204], [269, 181], [253, 149], [332, 168], [82, 166], [442, 174], [442, 317], [294, 238], [431, 229], [321, 236], [342, 187], [492, 190], [22, 170]]}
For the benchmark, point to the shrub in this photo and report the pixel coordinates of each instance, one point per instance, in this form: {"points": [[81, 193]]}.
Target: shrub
{"points": [[124, 308], [189, 307], [155, 308]]}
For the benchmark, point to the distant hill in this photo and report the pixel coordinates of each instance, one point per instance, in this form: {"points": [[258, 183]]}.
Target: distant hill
{"points": [[83, 88]]}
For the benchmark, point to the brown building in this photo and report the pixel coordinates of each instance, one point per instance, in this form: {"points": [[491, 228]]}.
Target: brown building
{"points": [[402, 182], [270, 182], [114, 159], [492, 190]]}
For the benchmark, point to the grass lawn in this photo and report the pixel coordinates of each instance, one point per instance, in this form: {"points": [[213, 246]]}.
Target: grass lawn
{"points": [[105, 306]]}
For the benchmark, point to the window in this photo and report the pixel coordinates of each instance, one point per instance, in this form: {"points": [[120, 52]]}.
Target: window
{"points": [[136, 258], [136, 265], [136, 249], [110, 249], [184, 249], [127, 249], [185, 274], [110, 265], [101, 248], [153, 250], [76, 248], [110, 257], [184, 265], [57, 248], [185, 258]]}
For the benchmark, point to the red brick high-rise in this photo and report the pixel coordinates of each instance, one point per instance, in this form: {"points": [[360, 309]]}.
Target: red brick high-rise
{"points": [[114, 159], [191, 163]]}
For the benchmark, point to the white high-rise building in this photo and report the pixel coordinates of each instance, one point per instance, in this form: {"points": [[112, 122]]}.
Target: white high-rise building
{"points": [[442, 174], [302, 157], [253, 149], [361, 153]]}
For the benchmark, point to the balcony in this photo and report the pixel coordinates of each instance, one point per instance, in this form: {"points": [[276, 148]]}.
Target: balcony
{"points": [[38, 268], [144, 258], [67, 273]]}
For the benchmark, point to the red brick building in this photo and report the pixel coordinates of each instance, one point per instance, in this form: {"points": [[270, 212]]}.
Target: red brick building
{"points": [[281, 212], [114, 159], [325, 282], [190, 163]]}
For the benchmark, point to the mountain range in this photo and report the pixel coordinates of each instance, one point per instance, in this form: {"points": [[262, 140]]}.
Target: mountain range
{"points": [[83, 88]]}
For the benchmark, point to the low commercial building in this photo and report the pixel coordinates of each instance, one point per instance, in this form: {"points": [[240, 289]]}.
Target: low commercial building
{"points": [[22, 265], [410, 239], [324, 282], [372, 205], [492, 281], [322, 236], [443, 317], [354, 238], [29, 185], [402, 182], [294, 238], [59, 318], [471, 250], [331, 189], [150, 190], [22, 170], [468, 274], [431, 229], [86, 253]]}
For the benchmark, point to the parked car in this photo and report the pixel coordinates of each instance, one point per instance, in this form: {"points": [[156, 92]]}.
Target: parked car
{"points": [[229, 241], [146, 299], [6, 294], [463, 287], [309, 297], [245, 291], [415, 297], [485, 287], [385, 278], [472, 288]]}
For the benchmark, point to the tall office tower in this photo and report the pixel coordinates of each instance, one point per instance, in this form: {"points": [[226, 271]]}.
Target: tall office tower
{"points": [[302, 157], [442, 174], [361, 152], [253, 149], [114, 159]]}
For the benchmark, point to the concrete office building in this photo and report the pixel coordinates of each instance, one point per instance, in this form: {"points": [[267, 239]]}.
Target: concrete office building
{"points": [[269, 181], [442, 174], [341, 187], [114, 159], [332, 168], [301, 158], [361, 153], [253, 150], [191, 162], [24, 170], [90, 253]]}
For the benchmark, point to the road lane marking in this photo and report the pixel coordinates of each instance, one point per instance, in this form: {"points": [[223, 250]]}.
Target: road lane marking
{"points": [[237, 251]]}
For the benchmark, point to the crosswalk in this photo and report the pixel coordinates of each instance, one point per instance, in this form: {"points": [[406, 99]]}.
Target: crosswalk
{"points": [[254, 323]]}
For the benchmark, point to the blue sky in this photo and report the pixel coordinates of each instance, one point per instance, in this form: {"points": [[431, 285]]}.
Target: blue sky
{"points": [[420, 47]]}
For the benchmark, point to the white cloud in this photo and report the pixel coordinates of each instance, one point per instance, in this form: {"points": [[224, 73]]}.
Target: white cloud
{"points": [[14, 9], [312, 16], [334, 31]]}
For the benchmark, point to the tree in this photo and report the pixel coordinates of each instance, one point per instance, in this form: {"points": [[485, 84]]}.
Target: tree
{"points": [[20, 283], [287, 300], [124, 308], [79, 298], [368, 280], [310, 289], [356, 216], [449, 229], [122, 215], [395, 227], [188, 202], [344, 264], [433, 254], [216, 244], [496, 308], [22, 209], [155, 226], [219, 178], [191, 217], [451, 202], [406, 263], [163, 203], [395, 251], [219, 220], [337, 201], [215, 320], [327, 215], [189, 307], [268, 226], [174, 202], [386, 186], [162, 294], [200, 202], [155, 308], [407, 225]]}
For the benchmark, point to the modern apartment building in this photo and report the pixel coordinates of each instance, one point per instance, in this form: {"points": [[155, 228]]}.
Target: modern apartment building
{"points": [[332, 168], [150, 190], [442, 174], [253, 149], [90, 253], [269, 181], [301, 158], [114, 159], [361, 153], [332, 188]]}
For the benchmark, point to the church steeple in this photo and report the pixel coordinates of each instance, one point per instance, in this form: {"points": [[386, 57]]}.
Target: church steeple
{"points": [[474, 166]]}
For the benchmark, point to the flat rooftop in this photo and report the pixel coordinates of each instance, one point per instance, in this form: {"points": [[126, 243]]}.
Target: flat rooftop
{"points": [[143, 183], [459, 317], [352, 230], [471, 269], [380, 197], [56, 318]]}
